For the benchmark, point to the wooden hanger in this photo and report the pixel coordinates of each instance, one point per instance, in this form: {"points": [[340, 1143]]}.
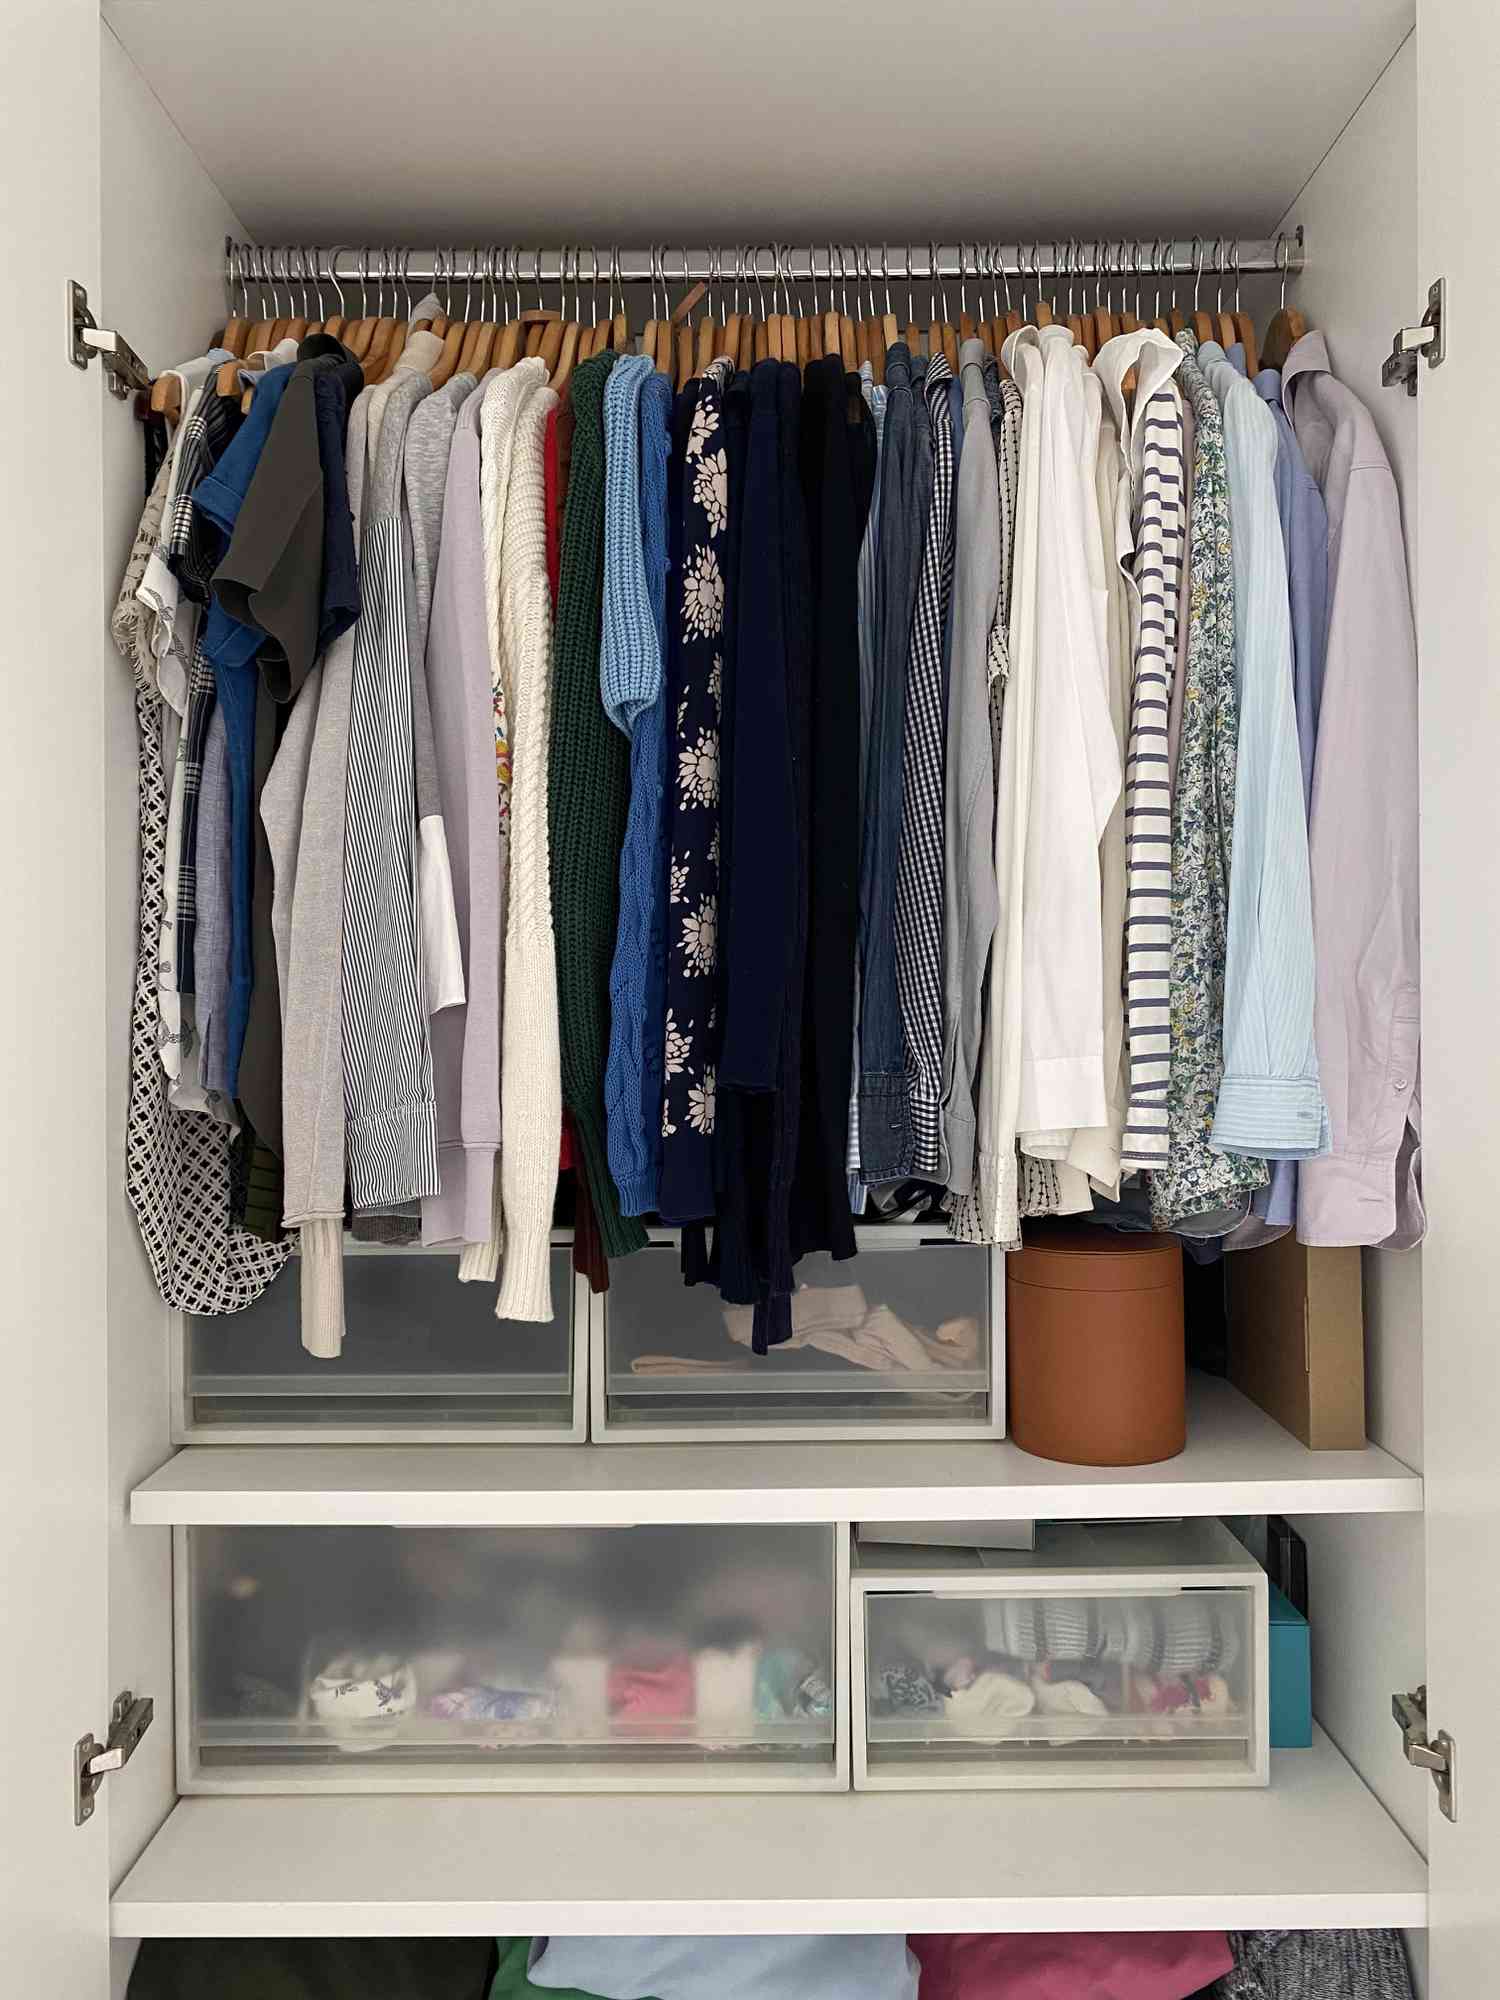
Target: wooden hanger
{"points": [[454, 342], [567, 356], [940, 335], [508, 346], [1286, 329], [1288, 323], [653, 323], [166, 398], [1244, 328]]}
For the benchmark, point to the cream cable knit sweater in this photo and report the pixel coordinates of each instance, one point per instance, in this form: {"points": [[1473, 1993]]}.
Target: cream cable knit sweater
{"points": [[530, 1073], [505, 390]]}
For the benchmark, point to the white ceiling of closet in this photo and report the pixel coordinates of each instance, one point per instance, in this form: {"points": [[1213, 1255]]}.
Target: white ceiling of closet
{"points": [[388, 120]]}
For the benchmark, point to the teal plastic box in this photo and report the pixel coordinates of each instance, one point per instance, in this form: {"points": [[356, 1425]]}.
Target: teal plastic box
{"points": [[1291, 1675]]}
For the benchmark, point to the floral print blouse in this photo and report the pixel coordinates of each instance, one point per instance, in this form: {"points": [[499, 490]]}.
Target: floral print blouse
{"points": [[690, 1043], [1197, 1182]]}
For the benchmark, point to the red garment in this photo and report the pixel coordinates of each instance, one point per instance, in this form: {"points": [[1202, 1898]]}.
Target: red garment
{"points": [[588, 1247], [552, 480], [1068, 1965]]}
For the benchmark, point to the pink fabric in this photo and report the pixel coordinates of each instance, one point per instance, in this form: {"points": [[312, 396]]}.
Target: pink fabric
{"points": [[657, 1693], [1068, 1965]]}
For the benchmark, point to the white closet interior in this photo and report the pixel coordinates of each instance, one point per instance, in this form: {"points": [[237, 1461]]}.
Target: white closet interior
{"points": [[336, 124]]}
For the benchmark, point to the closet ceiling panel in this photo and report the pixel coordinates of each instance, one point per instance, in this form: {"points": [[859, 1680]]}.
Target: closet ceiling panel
{"points": [[377, 120]]}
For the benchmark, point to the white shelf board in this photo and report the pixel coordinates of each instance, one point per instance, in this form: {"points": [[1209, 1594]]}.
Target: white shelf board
{"points": [[1237, 1461], [1314, 1850]]}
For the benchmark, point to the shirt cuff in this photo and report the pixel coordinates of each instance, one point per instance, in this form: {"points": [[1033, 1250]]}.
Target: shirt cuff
{"points": [[1343, 1201], [1271, 1117]]}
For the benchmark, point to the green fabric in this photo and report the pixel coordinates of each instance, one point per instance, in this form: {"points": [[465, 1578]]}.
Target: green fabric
{"points": [[588, 795], [313, 1969], [511, 1982]]}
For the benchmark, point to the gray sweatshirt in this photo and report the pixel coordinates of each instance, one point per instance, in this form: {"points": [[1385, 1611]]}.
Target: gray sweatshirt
{"points": [[303, 808], [970, 893]]}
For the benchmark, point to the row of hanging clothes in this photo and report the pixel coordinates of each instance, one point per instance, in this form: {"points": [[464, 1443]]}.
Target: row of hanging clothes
{"points": [[778, 770]]}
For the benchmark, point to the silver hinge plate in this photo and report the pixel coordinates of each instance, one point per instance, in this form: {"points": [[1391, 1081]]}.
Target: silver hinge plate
{"points": [[1429, 339], [1440, 1756], [124, 369], [93, 1761]]}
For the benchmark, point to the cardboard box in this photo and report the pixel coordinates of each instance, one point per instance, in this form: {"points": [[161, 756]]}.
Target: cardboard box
{"points": [[1297, 1339], [1291, 1675]]}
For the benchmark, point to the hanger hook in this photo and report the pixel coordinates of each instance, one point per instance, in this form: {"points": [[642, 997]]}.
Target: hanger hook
{"points": [[1197, 271], [1235, 254], [1281, 263]]}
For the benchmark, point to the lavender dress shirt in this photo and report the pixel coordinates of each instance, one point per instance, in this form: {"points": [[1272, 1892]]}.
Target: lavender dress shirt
{"points": [[1362, 832]]}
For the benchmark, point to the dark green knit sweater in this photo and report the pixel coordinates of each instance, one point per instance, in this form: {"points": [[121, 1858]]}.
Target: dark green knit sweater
{"points": [[588, 794]]}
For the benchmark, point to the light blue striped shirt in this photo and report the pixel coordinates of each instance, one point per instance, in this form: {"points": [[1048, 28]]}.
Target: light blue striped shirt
{"points": [[1270, 1103]]}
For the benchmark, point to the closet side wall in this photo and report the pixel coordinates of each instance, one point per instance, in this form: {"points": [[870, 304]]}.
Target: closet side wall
{"points": [[52, 1070], [161, 263], [1366, 1572]]}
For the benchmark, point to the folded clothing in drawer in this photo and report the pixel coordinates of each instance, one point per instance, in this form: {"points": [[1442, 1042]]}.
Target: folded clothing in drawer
{"points": [[351, 1658], [423, 1355], [899, 1341], [1113, 1655]]}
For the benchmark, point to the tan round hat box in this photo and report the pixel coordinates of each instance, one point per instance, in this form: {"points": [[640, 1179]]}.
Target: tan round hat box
{"points": [[1096, 1372]]}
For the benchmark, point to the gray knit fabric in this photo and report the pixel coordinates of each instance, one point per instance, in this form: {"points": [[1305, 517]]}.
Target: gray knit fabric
{"points": [[1316, 1965]]}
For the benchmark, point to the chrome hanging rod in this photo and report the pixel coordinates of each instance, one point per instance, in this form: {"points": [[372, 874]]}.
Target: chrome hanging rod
{"points": [[265, 268]]}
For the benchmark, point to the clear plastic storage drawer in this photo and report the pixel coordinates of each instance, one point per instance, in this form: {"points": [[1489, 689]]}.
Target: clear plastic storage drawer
{"points": [[903, 1340], [1107, 1656], [424, 1358], [512, 1659]]}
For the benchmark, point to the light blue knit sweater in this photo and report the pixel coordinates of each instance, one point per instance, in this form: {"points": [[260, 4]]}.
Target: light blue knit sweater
{"points": [[637, 404]]}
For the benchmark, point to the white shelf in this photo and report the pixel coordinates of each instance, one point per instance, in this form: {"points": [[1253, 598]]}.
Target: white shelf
{"points": [[1316, 1849], [1238, 1461]]}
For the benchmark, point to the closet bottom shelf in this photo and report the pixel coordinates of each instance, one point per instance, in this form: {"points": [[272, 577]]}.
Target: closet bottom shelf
{"points": [[1314, 1850]]}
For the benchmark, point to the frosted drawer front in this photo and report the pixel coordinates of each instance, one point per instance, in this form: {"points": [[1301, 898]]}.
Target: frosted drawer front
{"points": [[988, 1671], [892, 1339], [420, 1350], [465, 1658]]}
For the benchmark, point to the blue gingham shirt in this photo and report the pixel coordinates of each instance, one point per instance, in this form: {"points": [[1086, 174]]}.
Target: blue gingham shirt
{"points": [[1270, 1103]]}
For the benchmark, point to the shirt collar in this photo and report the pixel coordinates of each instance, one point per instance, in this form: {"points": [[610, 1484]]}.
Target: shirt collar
{"points": [[1153, 356], [1308, 357], [1267, 383]]}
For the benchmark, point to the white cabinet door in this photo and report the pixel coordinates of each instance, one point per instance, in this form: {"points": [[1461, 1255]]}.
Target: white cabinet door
{"points": [[1458, 55], [54, 1448]]}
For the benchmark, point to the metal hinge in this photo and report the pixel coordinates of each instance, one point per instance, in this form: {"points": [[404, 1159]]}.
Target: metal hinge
{"points": [[123, 367], [1440, 1756], [1428, 339], [93, 1761]]}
